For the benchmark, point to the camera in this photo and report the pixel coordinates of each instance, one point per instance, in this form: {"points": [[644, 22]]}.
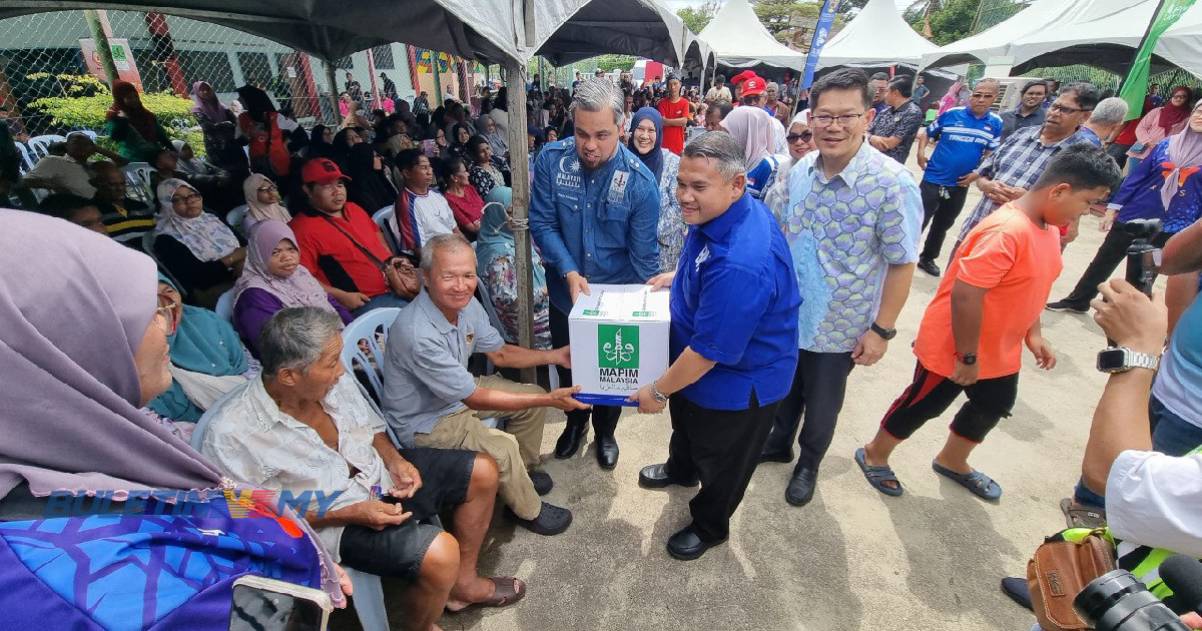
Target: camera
{"points": [[1117, 601], [1143, 259]]}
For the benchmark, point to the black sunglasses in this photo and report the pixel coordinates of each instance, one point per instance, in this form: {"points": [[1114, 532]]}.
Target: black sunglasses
{"points": [[804, 136]]}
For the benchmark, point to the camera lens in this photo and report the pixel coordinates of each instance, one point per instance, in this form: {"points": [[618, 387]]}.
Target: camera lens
{"points": [[1116, 601]]}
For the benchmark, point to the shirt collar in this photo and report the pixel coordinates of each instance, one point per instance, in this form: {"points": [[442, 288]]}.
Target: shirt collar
{"points": [[717, 228], [433, 314], [850, 173]]}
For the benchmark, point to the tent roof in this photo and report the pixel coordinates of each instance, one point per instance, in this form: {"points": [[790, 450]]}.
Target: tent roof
{"points": [[996, 40], [643, 28], [739, 39], [1182, 43], [877, 35]]}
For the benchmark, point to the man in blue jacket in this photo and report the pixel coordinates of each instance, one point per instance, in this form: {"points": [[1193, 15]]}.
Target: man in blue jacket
{"points": [[594, 211]]}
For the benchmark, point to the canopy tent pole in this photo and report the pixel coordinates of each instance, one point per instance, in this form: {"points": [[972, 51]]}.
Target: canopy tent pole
{"points": [[333, 81], [519, 158]]}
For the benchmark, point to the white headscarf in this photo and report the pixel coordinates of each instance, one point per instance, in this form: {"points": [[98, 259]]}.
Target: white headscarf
{"points": [[755, 131], [205, 236]]}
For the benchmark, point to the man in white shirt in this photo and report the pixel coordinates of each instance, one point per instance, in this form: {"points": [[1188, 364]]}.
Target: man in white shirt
{"points": [[305, 429], [718, 93], [69, 173], [422, 212]]}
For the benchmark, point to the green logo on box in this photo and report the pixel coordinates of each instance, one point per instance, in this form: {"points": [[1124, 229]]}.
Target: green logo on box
{"points": [[617, 346]]}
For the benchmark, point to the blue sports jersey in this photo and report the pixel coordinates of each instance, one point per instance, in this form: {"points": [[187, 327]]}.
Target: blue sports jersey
{"points": [[963, 140], [762, 176]]}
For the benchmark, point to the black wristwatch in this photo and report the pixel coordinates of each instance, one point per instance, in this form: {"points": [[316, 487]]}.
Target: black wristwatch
{"points": [[968, 359], [886, 334]]}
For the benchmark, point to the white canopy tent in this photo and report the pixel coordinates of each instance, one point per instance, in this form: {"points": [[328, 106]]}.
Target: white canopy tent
{"points": [[739, 40], [877, 36]]}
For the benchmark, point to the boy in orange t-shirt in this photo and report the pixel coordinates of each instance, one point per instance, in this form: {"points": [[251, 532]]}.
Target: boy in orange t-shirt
{"points": [[987, 306]]}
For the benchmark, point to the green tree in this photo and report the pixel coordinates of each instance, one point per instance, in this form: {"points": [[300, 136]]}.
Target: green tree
{"points": [[697, 18], [780, 16], [609, 63], [951, 20]]}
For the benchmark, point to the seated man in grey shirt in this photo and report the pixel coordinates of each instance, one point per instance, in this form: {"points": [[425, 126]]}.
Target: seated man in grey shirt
{"points": [[431, 399]]}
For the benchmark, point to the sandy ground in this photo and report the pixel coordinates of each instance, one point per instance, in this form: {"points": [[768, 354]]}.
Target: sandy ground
{"points": [[853, 559]]}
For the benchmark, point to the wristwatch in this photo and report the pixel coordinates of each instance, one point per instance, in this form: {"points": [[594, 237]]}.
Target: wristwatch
{"points": [[968, 359], [659, 396], [886, 334], [1118, 359]]}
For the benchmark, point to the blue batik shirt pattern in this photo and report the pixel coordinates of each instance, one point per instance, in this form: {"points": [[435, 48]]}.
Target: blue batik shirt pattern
{"points": [[844, 233]]}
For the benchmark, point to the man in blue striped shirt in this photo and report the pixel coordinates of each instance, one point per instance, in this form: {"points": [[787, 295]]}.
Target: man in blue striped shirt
{"points": [[965, 136]]}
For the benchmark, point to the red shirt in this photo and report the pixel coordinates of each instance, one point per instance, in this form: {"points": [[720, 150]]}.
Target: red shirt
{"points": [[467, 208], [674, 136], [333, 258]]}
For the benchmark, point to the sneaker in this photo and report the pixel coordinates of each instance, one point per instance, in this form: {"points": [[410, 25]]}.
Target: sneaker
{"points": [[1066, 306], [542, 482], [929, 266], [551, 520]]}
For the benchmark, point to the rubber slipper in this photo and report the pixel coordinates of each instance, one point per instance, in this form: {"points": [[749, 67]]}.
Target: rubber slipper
{"points": [[1082, 515], [980, 484], [877, 476], [1018, 591], [508, 590]]}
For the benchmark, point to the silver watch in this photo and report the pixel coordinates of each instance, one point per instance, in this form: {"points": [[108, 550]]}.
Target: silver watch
{"points": [[659, 396], [1118, 359]]}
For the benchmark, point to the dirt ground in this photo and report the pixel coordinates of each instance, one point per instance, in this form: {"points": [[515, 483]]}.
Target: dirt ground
{"points": [[853, 559]]}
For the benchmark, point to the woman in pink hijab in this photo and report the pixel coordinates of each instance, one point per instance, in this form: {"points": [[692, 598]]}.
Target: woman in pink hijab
{"points": [[755, 130]]}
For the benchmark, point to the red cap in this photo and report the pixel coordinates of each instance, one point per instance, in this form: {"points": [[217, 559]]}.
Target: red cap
{"points": [[741, 77], [753, 86], [321, 171]]}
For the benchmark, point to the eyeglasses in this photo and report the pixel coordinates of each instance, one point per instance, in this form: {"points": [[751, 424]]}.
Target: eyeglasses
{"points": [[826, 120], [166, 310], [184, 199], [1056, 107], [267, 189], [804, 136]]}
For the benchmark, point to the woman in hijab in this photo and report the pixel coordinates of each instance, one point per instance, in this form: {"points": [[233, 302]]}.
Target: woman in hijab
{"points": [[495, 137], [262, 202], [755, 131], [265, 129], [194, 245], [135, 129], [220, 129], [321, 142], [461, 134], [368, 184], [340, 149], [646, 141], [1165, 186], [1160, 123], [273, 280], [801, 143], [496, 258], [83, 346], [207, 360]]}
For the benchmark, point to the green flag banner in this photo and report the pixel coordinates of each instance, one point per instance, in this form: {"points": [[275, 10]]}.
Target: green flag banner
{"points": [[1135, 85]]}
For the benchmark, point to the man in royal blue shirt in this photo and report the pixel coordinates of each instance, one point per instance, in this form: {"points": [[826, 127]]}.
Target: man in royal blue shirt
{"points": [[733, 342], [966, 135], [594, 208]]}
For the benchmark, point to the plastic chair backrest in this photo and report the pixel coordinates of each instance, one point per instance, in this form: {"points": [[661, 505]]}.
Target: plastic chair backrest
{"points": [[382, 218], [27, 160], [40, 145], [236, 216], [371, 329], [225, 306], [137, 180]]}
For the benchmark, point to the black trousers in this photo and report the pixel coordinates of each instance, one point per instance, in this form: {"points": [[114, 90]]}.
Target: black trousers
{"points": [[989, 401], [605, 417], [940, 212], [722, 449], [819, 383], [1112, 252], [1119, 153]]}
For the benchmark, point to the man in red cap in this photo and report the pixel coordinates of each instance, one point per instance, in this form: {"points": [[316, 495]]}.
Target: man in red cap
{"points": [[341, 245], [737, 82], [752, 92]]}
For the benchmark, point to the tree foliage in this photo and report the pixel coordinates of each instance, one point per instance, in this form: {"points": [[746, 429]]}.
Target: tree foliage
{"points": [[951, 20], [697, 18], [609, 63]]}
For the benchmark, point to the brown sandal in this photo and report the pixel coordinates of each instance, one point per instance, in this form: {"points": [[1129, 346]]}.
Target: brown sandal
{"points": [[1081, 516], [508, 590]]}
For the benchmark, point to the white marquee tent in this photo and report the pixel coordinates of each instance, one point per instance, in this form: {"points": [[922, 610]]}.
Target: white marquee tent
{"points": [[877, 36], [739, 40]]}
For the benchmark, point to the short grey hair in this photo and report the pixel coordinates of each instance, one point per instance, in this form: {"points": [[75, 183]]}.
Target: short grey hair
{"points": [[988, 81], [295, 338], [1109, 111], [721, 147], [450, 241], [772, 85], [594, 95]]}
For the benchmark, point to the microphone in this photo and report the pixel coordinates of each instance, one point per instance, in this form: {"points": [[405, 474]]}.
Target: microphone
{"points": [[1183, 575]]}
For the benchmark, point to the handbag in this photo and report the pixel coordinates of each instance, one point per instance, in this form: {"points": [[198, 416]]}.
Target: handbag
{"points": [[406, 273], [1059, 570]]}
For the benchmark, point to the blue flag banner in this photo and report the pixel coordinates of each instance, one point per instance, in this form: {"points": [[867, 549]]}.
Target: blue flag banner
{"points": [[826, 18]]}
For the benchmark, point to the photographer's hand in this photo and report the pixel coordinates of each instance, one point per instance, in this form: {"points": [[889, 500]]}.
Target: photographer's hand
{"points": [[1130, 318]]}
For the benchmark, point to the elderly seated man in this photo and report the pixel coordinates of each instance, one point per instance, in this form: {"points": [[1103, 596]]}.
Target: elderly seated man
{"points": [[431, 399], [305, 427]]}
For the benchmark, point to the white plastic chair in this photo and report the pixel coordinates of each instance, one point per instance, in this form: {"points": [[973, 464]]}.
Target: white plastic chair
{"points": [[225, 306], [137, 180], [40, 145], [235, 217], [27, 159], [383, 217], [370, 328]]}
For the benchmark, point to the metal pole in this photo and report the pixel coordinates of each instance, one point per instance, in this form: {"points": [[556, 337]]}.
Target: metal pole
{"points": [[542, 77], [333, 81], [515, 78], [103, 48]]}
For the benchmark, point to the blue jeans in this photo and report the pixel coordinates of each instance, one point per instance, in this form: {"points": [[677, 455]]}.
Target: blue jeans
{"points": [[379, 302], [1171, 435]]}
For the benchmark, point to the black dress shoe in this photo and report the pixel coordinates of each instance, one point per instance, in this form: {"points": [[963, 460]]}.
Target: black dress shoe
{"points": [[785, 456], [801, 487], [929, 266], [687, 545], [607, 451], [571, 439], [656, 476]]}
